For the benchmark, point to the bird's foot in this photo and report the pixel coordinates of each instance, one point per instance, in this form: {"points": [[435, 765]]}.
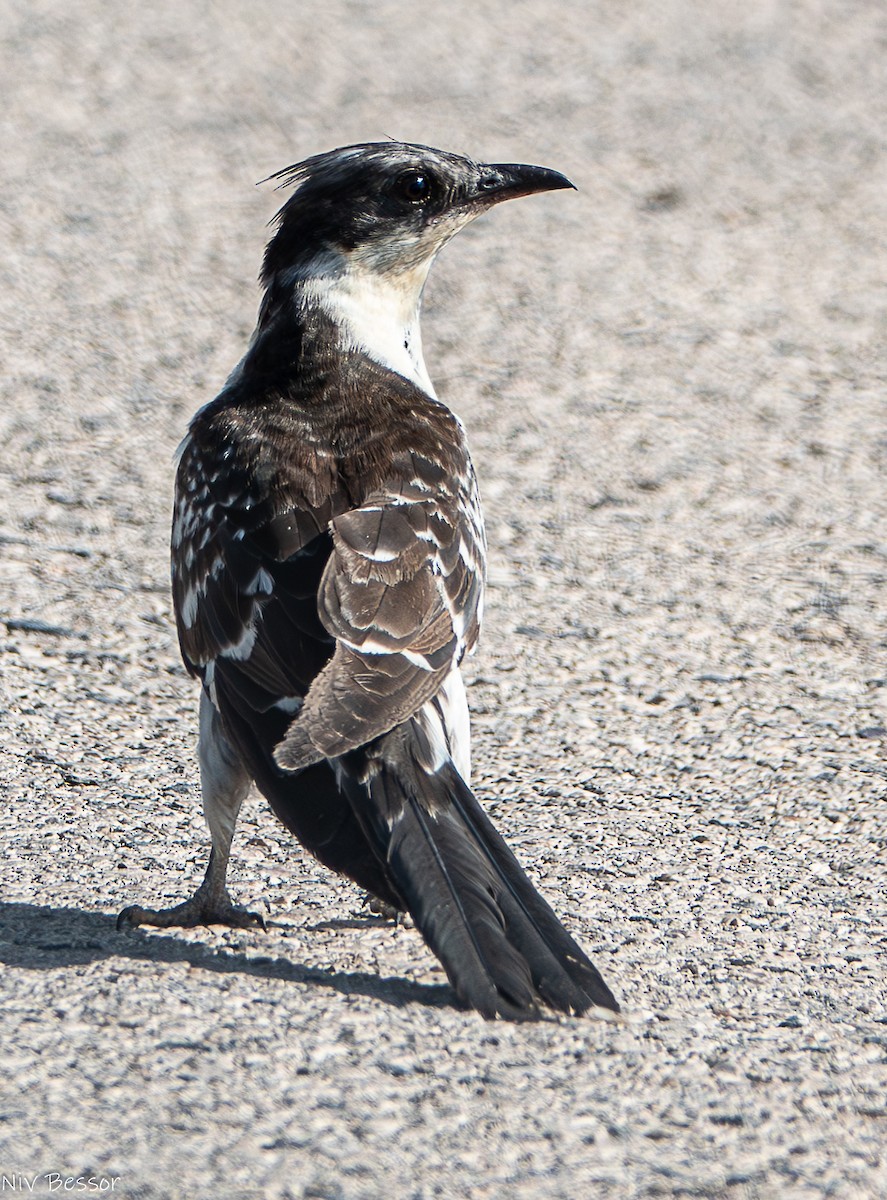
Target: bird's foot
{"points": [[381, 908], [199, 910]]}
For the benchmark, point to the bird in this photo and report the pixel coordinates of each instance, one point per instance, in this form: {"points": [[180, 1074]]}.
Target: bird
{"points": [[328, 562]]}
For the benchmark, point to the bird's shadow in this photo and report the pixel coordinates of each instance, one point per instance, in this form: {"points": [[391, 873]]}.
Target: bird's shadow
{"points": [[40, 937]]}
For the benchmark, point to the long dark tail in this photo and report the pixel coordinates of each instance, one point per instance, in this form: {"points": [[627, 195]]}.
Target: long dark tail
{"points": [[504, 950]]}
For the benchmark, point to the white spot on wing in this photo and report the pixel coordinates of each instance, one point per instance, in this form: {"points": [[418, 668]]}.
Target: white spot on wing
{"points": [[371, 647], [244, 648], [189, 607], [209, 682], [262, 584], [191, 599]]}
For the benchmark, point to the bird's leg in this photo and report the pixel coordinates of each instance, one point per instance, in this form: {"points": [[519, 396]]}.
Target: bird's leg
{"points": [[224, 784]]}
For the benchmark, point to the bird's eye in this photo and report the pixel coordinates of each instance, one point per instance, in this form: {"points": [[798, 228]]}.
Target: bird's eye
{"points": [[414, 186]]}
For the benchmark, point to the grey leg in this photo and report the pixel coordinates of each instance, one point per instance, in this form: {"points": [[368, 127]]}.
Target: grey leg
{"points": [[224, 783]]}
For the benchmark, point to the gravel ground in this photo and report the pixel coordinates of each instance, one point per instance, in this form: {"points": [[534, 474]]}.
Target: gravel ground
{"points": [[674, 385]]}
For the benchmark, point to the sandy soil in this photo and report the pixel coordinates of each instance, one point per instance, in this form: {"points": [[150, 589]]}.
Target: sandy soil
{"points": [[674, 385]]}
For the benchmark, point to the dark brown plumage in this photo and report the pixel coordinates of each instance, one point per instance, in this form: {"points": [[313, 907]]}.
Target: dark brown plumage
{"points": [[328, 562]]}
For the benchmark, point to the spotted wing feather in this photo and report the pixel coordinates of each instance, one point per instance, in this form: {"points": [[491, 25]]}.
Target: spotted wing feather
{"points": [[342, 620], [403, 608]]}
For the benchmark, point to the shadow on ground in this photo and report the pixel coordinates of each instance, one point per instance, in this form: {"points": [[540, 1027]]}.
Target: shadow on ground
{"points": [[40, 937]]}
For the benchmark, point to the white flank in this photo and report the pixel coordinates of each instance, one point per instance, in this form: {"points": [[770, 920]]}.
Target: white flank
{"points": [[454, 705], [429, 720]]}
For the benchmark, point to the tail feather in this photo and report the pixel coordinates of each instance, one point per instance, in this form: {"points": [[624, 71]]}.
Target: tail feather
{"points": [[565, 972], [451, 895], [504, 950]]}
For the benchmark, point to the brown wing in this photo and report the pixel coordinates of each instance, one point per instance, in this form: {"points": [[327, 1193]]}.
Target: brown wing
{"points": [[401, 594]]}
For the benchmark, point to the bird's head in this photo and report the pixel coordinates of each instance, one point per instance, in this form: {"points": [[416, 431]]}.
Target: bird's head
{"points": [[386, 208]]}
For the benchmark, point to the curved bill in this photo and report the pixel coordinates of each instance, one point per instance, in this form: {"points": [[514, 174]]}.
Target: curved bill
{"points": [[507, 181]]}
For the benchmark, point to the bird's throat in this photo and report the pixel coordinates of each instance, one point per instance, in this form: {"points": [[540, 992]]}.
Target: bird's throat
{"points": [[377, 314]]}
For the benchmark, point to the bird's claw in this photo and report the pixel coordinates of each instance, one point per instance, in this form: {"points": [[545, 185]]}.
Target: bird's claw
{"points": [[195, 911]]}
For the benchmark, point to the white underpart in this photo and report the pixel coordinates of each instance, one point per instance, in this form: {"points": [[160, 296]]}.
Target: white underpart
{"points": [[223, 781], [378, 314], [444, 721], [454, 706], [428, 718]]}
